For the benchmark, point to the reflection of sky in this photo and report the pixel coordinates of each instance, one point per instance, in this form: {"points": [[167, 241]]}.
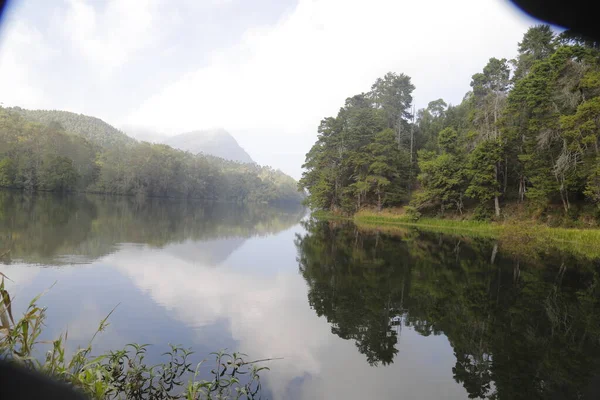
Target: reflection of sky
{"points": [[255, 301]]}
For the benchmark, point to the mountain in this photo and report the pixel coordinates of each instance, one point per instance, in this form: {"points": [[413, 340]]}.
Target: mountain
{"points": [[60, 151], [93, 129], [216, 142]]}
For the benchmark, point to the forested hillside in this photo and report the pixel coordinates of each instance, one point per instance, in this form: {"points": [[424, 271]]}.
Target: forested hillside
{"points": [[526, 133], [47, 156], [93, 129]]}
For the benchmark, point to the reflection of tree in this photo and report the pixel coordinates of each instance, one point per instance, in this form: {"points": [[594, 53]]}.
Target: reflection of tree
{"points": [[519, 330], [354, 288], [43, 228]]}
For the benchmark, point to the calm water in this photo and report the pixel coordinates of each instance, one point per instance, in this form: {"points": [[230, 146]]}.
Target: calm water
{"points": [[354, 314]]}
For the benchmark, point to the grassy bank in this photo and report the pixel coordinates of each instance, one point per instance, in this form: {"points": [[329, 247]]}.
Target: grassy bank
{"points": [[481, 228], [516, 236]]}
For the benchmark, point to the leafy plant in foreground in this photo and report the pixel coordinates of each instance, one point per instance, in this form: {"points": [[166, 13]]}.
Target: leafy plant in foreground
{"points": [[125, 373]]}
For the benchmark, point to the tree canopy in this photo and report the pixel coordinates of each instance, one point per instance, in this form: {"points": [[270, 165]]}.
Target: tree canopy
{"points": [[527, 132]]}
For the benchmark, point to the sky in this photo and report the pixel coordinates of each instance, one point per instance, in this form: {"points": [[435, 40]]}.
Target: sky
{"points": [[267, 71]]}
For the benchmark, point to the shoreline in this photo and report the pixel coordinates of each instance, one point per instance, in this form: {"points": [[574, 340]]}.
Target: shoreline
{"points": [[516, 235]]}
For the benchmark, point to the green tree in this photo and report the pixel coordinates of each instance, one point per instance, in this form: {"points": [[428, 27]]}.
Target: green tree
{"points": [[357, 160], [7, 172], [393, 94], [388, 169], [489, 95], [537, 44], [59, 175], [482, 172], [442, 176], [431, 121]]}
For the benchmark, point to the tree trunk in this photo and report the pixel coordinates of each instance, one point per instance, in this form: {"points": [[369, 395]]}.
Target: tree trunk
{"points": [[494, 253], [516, 272], [459, 204], [505, 174], [497, 206], [378, 200], [521, 189], [496, 118], [563, 194], [564, 202], [496, 200]]}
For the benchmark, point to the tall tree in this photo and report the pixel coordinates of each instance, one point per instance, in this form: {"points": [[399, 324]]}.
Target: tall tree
{"points": [[393, 94], [537, 44], [357, 160], [489, 95]]}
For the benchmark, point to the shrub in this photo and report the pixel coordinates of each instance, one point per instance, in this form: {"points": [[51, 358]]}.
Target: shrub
{"points": [[124, 373], [412, 213]]}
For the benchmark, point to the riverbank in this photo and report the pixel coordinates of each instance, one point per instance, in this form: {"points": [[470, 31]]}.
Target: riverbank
{"points": [[517, 236]]}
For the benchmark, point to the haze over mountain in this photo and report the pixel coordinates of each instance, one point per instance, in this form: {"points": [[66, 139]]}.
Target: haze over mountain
{"points": [[216, 142], [91, 128], [52, 150]]}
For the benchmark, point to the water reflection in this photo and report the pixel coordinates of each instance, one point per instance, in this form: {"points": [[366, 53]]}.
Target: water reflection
{"points": [[52, 229], [410, 315], [518, 329]]}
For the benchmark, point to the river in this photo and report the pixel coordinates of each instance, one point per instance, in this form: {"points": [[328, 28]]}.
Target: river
{"points": [[352, 313]]}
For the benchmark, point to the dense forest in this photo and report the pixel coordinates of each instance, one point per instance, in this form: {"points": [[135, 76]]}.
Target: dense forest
{"points": [[65, 152], [526, 133], [518, 331], [93, 129]]}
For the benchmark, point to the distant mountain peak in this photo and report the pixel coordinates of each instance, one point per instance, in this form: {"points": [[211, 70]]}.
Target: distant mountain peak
{"points": [[216, 142]]}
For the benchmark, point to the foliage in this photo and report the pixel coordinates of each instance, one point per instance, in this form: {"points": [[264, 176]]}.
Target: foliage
{"points": [[123, 373], [66, 152], [92, 129], [482, 169], [412, 213], [526, 133], [362, 156]]}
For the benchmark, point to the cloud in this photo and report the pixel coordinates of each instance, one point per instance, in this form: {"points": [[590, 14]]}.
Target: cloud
{"points": [[267, 72], [108, 37], [23, 54], [275, 85]]}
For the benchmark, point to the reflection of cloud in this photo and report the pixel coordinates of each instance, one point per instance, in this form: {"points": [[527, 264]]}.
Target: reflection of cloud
{"points": [[208, 252], [18, 276], [268, 316], [265, 315]]}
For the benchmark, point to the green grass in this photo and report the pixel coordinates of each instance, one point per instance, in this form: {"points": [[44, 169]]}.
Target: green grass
{"points": [[517, 237], [328, 215], [433, 224]]}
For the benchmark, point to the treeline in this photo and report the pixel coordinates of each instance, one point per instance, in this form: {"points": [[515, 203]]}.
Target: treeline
{"points": [[527, 132], [46, 156]]}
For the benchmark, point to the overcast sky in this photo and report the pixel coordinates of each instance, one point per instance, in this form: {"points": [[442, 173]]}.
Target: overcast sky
{"points": [[266, 70]]}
